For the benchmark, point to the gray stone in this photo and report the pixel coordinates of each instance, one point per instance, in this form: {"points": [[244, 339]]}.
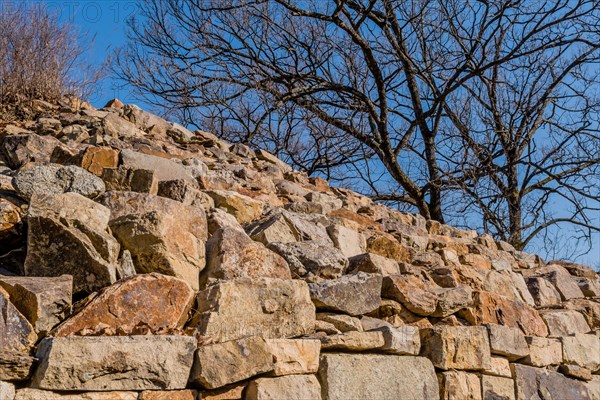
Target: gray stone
{"points": [[49, 179], [114, 363], [350, 242], [291, 387], [374, 376], [68, 235], [451, 300], [542, 384], [166, 169], [19, 149], [312, 259], [351, 294], [220, 364]]}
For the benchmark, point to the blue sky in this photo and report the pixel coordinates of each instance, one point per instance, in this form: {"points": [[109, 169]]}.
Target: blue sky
{"points": [[105, 20]]}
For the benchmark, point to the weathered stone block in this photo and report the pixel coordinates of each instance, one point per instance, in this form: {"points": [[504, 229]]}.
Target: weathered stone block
{"points": [[457, 347], [582, 350], [294, 356], [538, 383], [543, 351], [508, 342], [496, 387], [271, 308], [291, 387], [220, 364], [114, 363], [353, 341], [351, 294], [374, 376], [43, 301], [158, 302], [462, 385], [564, 322]]}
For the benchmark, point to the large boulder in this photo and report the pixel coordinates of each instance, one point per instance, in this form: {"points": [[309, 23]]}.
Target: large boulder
{"points": [[43, 301], [159, 302], [49, 179], [269, 307], [163, 235], [68, 234], [99, 363], [375, 376]]}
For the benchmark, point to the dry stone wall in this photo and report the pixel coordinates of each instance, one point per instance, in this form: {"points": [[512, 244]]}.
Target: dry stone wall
{"points": [[141, 260]]}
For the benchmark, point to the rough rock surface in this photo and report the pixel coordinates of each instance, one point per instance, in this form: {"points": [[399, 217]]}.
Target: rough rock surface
{"points": [[112, 219], [346, 376], [156, 301], [114, 363], [272, 308]]}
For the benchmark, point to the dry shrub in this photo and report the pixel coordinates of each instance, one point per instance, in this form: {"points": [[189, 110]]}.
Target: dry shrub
{"points": [[40, 57]]}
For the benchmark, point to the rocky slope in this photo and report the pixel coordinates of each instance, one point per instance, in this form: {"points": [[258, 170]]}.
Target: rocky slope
{"points": [[140, 260]]}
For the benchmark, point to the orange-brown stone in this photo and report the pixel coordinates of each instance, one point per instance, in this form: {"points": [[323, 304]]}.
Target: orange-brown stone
{"points": [[158, 302], [496, 309], [389, 247], [95, 159]]}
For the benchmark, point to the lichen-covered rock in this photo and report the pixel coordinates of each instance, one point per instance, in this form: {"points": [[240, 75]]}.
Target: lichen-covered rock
{"points": [[269, 307], [114, 363], [351, 294], [375, 376], [67, 234], [159, 302], [220, 364], [43, 301], [51, 179]]}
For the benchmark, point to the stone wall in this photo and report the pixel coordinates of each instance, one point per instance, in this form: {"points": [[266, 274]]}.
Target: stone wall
{"points": [[140, 260]]}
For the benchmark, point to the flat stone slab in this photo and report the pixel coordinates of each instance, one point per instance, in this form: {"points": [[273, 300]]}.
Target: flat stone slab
{"points": [[102, 363]]}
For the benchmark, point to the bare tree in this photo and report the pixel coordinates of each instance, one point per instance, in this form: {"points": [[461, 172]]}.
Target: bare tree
{"points": [[40, 56], [413, 99]]}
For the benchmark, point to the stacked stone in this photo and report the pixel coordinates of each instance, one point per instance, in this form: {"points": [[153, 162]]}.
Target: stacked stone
{"points": [[141, 260]]}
